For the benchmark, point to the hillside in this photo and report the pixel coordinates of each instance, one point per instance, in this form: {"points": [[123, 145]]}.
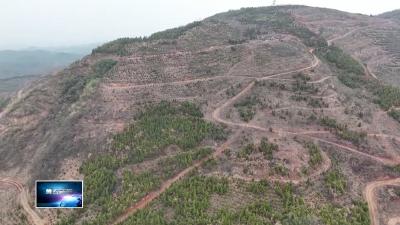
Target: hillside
{"points": [[272, 115], [395, 14]]}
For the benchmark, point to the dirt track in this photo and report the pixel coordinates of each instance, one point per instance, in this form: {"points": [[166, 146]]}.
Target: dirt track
{"points": [[369, 195], [153, 195], [32, 216], [370, 188], [216, 116], [394, 221]]}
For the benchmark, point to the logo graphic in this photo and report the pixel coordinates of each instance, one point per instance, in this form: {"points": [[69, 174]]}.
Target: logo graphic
{"points": [[48, 191], [59, 194]]}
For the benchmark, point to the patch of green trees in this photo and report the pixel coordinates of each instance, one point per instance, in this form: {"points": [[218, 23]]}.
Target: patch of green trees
{"points": [[155, 128], [315, 155], [388, 96], [350, 71], [72, 85], [162, 125], [120, 46], [171, 165], [336, 215], [189, 202]]}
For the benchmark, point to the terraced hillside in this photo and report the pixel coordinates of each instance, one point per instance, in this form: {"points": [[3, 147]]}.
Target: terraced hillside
{"points": [[274, 115]]}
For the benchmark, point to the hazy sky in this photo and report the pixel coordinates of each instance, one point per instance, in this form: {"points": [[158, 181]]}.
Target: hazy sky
{"points": [[25, 23]]}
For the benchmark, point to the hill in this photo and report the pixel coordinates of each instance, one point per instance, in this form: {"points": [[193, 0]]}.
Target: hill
{"points": [[271, 115], [395, 14]]}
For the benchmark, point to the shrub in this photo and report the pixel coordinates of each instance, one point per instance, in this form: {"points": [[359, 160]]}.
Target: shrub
{"points": [[315, 155], [395, 114], [258, 188], [343, 132], [102, 67], [268, 148], [388, 96], [336, 181], [118, 46], [246, 151], [246, 108], [280, 169], [174, 32], [342, 60], [190, 198], [162, 125], [350, 70], [173, 164], [4, 102], [336, 215], [72, 86]]}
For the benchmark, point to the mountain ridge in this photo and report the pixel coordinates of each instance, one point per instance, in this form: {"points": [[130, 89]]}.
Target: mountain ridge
{"points": [[270, 73]]}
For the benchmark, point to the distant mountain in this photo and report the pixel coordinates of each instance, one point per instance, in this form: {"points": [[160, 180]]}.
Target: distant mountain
{"points": [[395, 14], [37, 61], [83, 49]]}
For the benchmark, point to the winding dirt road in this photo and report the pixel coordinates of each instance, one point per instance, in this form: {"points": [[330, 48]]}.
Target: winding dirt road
{"points": [[32, 216], [216, 116], [370, 197]]}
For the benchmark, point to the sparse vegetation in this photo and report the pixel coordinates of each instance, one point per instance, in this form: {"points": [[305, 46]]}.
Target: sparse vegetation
{"points": [[350, 71], [280, 169], [335, 181], [191, 198], [99, 178], [246, 108], [111, 185], [356, 137], [73, 85], [277, 20], [395, 114], [301, 85], [268, 148], [336, 215], [155, 128], [259, 188], [315, 154], [174, 33], [395, 169], [388, 96], [173, 164], [342, 60], [120, 46], [3, 102], [246, 151], [102, 67]]}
